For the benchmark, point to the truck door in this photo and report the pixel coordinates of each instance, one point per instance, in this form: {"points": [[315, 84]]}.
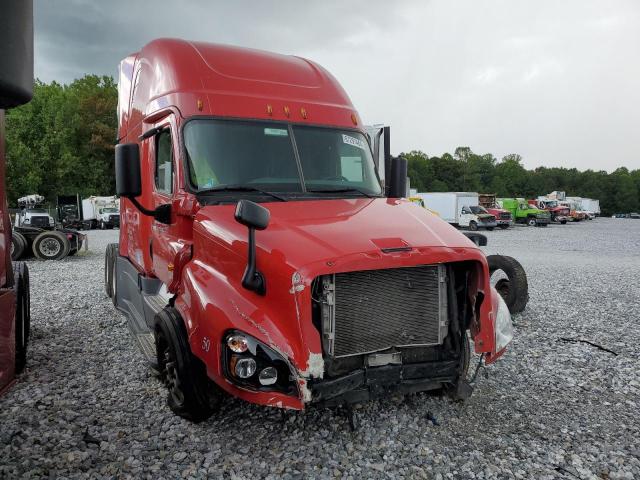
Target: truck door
{"points": [[164, 242], [465, 216]]}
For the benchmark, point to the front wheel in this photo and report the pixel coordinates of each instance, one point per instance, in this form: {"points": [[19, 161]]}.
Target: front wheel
{"points": [[473, 226], [192, 395], [514, 289], [532, 222]]}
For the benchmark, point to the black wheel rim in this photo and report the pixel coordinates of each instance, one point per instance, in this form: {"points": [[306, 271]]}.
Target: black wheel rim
{"points": [[169, 370]]}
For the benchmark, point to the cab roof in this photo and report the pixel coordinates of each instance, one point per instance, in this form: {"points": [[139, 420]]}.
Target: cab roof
{"points": [[221, 80]]}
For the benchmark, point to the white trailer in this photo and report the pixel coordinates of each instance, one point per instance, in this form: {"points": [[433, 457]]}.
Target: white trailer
{"points": [[591, 205], [100, 211], [459, 208]]}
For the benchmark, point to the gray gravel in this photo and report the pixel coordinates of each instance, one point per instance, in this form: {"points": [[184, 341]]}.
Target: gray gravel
{"points": [[87, 407]]}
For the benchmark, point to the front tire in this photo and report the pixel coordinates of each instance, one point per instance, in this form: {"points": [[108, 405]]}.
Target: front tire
{"points": [[23, 314], [515, 288], [473, 226], [532, 222], [192, 395]]}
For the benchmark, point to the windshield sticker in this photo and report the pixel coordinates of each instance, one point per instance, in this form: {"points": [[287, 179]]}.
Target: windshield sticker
{"points": [[277, 132], [356, 142]]}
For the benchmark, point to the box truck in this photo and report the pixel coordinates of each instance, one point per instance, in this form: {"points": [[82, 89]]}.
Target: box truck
{"points": [[101, 212], [461, 209], [255, 230]]}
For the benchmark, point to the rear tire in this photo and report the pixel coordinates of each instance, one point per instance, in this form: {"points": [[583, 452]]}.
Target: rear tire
{"points": [[192, 395], [515, 288], [18, 245], [51, 245], [23, 314]]}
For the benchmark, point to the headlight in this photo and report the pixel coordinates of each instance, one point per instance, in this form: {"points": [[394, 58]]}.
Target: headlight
{"points": [[503, 326], [252, 364]]}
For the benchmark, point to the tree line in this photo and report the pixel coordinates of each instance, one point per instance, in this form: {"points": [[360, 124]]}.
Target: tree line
{"points": [[466, 171], [62, 143]]}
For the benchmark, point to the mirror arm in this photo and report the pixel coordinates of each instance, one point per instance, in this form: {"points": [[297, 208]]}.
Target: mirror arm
{"points": [[162, 213], [252, 278]]}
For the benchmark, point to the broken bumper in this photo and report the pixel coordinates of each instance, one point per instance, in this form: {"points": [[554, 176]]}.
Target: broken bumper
{"points": [[368, 383]]}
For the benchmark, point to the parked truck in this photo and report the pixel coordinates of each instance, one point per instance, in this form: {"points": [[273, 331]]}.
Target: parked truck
{"points": [[522, 212], [259, 254], [16, 87], [101, 212], [503, 217], [31, 214], [460, 209], [558, 213], [592, 206]]}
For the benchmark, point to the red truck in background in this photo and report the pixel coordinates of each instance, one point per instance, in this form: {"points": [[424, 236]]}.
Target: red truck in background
{"points": [[259, 254], [559, 213], [503, 217], [16, 87]]}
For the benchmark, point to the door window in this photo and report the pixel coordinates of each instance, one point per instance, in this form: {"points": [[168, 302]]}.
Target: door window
{"points": [[164, 162]]}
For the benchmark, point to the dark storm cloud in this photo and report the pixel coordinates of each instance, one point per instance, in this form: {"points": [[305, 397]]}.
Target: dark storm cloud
{"points": [[556, 82]]}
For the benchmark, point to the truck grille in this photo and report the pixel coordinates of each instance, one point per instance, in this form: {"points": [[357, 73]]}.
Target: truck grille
{"points": [[505, 216], [369, 311], [39, 221]]}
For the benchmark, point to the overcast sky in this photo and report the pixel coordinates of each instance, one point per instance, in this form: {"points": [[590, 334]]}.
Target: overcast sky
{"points": [[555, 81]]}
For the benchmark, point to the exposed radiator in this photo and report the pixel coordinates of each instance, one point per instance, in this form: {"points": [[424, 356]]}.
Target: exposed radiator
{"points": [[373, 310]]}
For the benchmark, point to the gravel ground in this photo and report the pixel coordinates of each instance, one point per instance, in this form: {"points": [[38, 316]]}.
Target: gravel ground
{"points": [[87, 407]]}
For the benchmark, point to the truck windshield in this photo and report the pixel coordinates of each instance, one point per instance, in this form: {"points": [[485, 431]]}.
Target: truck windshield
{"points": [[478, 209], [278, 157]]}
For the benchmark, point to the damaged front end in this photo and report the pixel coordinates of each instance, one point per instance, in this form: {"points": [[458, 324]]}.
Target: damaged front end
{"points": [[398, 330]]}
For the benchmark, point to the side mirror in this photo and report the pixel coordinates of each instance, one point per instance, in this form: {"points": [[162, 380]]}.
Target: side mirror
{"points": [[398, 180], [255, 217], [252, 215], [477, 238], [128, 179]]}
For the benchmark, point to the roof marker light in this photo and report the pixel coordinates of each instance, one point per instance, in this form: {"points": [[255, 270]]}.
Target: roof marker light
{"points": [[303, 112], [286, 111], [269, 110], [200, 104], [354, 119]]}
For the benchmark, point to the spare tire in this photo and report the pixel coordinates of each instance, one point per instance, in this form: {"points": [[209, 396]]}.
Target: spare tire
{"points": [[51, 245], [18, 245], [514, 289]]}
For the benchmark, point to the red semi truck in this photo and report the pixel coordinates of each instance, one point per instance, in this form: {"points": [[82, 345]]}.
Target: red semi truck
{"points": [[503, 217], [259, 254], [16, 87]]}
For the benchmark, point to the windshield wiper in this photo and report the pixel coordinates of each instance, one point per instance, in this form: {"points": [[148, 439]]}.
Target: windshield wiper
{"points": [[243, 188], [340, 190]]}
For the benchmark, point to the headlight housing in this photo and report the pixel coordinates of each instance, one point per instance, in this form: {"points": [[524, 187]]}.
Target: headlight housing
{"points": [[503, 326], [251, 364]]}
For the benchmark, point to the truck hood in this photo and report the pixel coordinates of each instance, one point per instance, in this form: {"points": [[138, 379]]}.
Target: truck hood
{"points": [[305, 232]]}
